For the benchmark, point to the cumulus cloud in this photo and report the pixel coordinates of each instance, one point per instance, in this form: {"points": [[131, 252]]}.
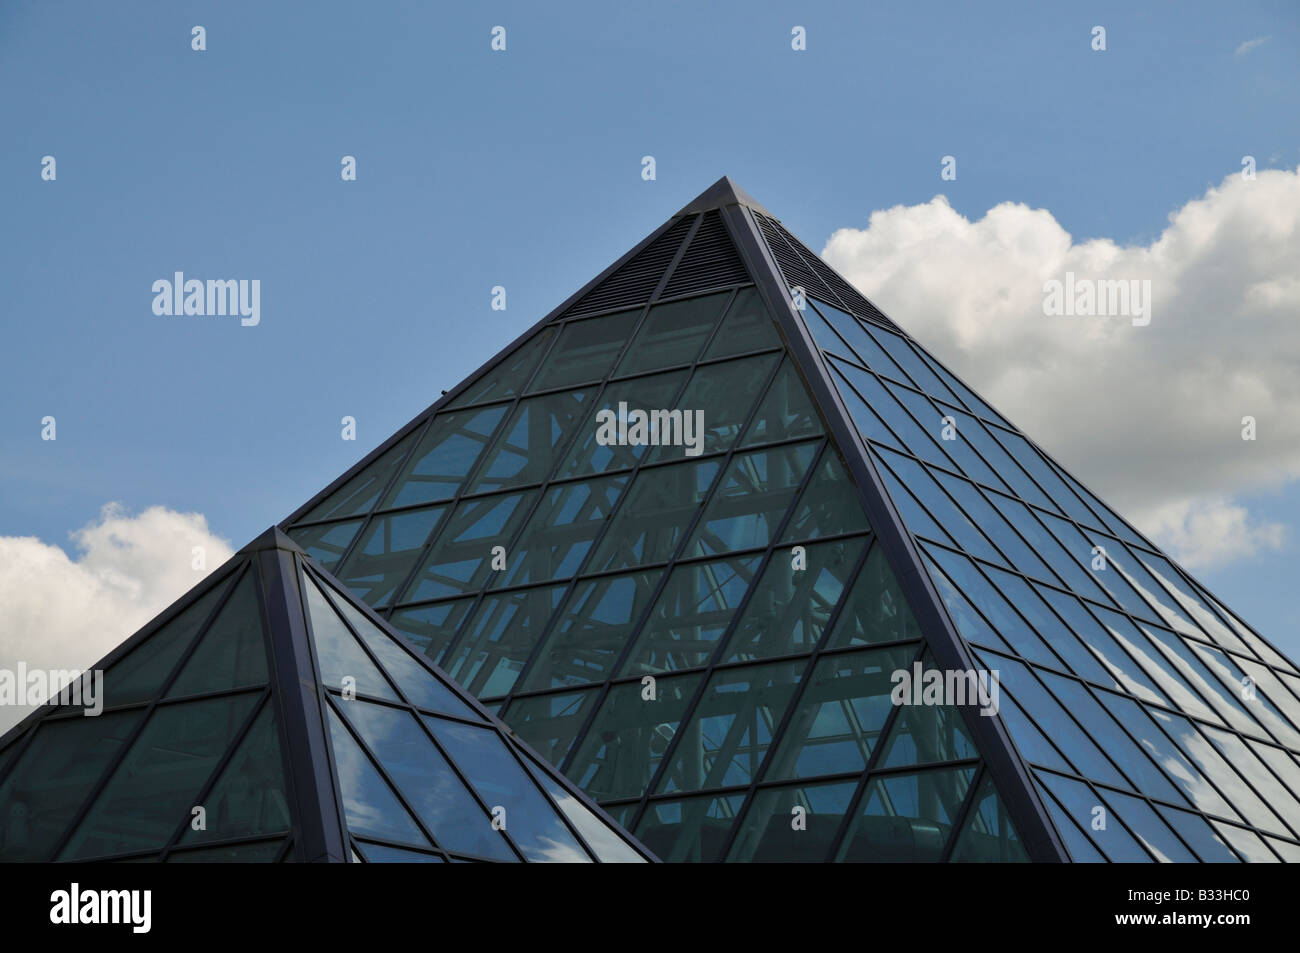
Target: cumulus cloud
{"points": [[1249, 45], [1149, 417], [61, 613]]}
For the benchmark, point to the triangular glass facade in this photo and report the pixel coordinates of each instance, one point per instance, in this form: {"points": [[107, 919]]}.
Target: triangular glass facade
{"points": [[701, 633], [211, 746]]}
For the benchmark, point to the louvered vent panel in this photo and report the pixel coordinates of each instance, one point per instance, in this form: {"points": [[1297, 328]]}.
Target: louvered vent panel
{"points": [[633, 284], [849, 297], [792, 266], [710, 261]]}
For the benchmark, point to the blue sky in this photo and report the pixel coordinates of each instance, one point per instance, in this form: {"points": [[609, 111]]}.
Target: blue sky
{"points": [[521, 169]]}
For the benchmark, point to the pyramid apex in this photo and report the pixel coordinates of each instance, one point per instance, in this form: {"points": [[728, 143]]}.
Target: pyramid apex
{"points": [[722, 192], [272, 538]]}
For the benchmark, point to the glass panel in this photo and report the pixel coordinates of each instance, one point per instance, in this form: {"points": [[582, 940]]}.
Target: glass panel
{"points": [[726, 739], [382, 854], [139, 675], [1098, 640], [916, 368], [959, 526], [747, 327], [1137, 719], [690, 615], [249, 798], [1009, 625], [1106, 832], [970, 625], [1212, 765], [1248, 845], [725, 394], [232, 653], [383, 559], [673, 333], [154, 787], [1002, 463], [990, 521], [1198, 833], [915, 519], [794, 601], [906, 817], [326, 544], [532, 821], [754, 495], [619, 759], [840, 714], [52, 777], [548, 724], [596, 624], [863, 346], [508, 377], [865, 419], [445, 455], [654, 516], [1077, 579], [1270, 789], [934, 420], [529, 446], [926, 732], [988, 836], [1030, 742], [968, 397], [1164, 571], [1197, 675], [433, 627], [561, 531], [1044, 475], [1050, 628], [915, 438], [1268, 684], [499, 640], [426, 780], [829, 504], [591, 453], [875, 609], [693, 829], [338, 653], [1145, 777], [369, 805], [586, 350], [792, 824], [230, 854], [786, 411], [1079, 846], [607, 844], [1056, 722], [462, 555], [420, 686], [359, 495]]}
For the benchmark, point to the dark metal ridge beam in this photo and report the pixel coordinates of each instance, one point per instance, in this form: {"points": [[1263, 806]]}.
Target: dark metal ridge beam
{"points": [[1014, 783], [320, 833]]}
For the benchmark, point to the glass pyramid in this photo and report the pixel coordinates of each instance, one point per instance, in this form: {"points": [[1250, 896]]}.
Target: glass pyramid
{"points": [[705, 636], [213, 745]]}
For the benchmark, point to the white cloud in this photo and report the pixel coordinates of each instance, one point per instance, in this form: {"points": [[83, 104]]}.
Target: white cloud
{"points": [[1149, 417], [1249, 45], [63, 613]]}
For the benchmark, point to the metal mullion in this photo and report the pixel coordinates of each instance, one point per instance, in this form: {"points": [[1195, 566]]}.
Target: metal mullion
{"points": [[215, 775], [361, 843], [967, 805], [1092, 790], [420, 432], [331, 599], [286, 850], [452, 503], [521, 760], [714, 487], [778, 735], [1134, 789], [764, 560], [851, 809], [110, 769], [284, 835], [378, 765], [596, 542]]}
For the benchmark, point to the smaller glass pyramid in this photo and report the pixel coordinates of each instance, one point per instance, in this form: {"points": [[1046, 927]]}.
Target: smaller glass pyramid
{"points": [[211, 745]]}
